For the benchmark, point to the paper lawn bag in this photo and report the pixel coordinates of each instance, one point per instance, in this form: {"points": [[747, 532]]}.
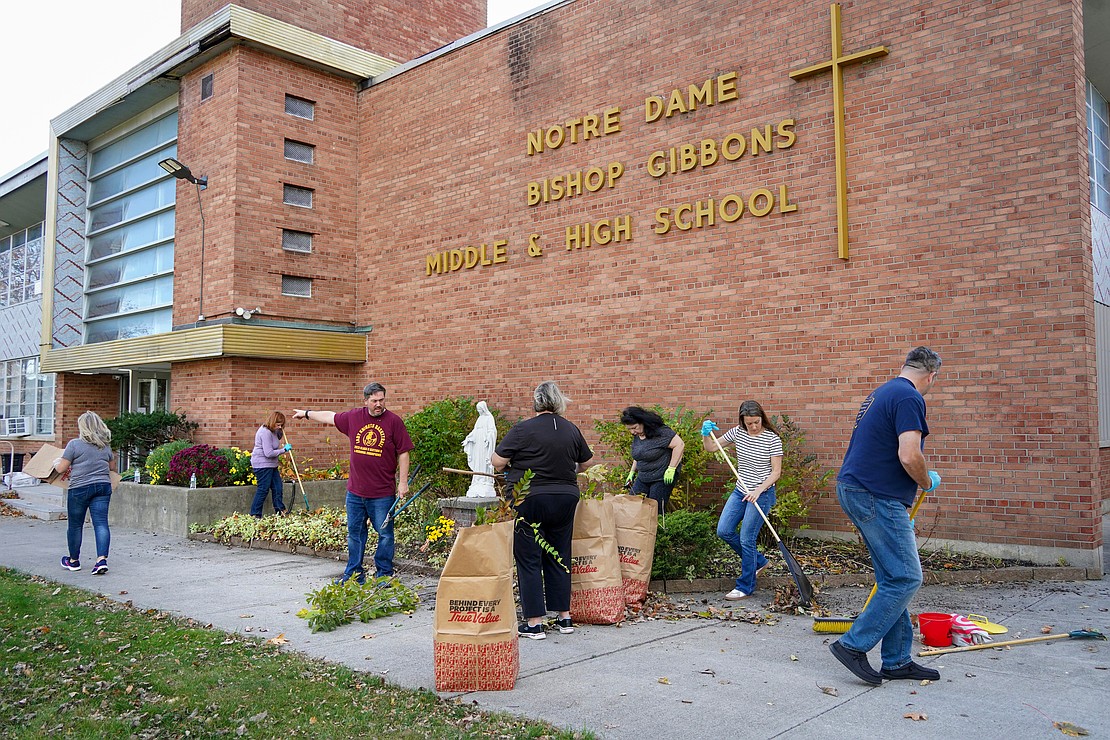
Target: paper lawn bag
{"points": [[596, 595], [476, 646], [637, 522]]}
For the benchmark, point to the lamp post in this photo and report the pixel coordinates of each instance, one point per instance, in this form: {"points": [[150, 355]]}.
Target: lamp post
{"points": [[182, 172]]}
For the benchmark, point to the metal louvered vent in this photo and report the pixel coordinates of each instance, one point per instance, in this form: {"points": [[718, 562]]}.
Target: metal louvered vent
{"points": [[299, 152], [296, 241], [296, 286], [300, 107], [295, 196]]}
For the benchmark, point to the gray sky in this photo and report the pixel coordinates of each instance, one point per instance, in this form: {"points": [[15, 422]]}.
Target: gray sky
{"points": [[55, 53]]}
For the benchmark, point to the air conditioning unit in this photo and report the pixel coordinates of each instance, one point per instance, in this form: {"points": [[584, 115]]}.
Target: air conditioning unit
{"points": [[17, 426]]}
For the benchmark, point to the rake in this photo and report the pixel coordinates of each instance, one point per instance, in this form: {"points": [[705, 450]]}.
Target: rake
{"points": [[805, 588], [1073, 635]]}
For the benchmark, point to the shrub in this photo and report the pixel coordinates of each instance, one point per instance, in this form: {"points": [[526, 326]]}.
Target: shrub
{"points": [[803, 480], [205, 461], [687, 424], [438, 431], [240, 471], [158, 461], [135, 435], [685, 545]]}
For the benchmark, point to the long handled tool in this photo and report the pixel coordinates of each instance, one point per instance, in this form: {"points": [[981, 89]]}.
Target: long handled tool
{"points": [[472, 472], [805, 588], [839, 625], [394, 510], [296, 472], [1073, 635]]}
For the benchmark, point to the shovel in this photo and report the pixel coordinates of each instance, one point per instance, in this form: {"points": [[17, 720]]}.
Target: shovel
{"points": [[1073, 635], [805, 588]]}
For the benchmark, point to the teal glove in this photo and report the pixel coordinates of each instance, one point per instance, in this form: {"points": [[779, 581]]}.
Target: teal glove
{"points": [[708, 427], [934, 478], [629, 477], [668, 477], [287, 447]]}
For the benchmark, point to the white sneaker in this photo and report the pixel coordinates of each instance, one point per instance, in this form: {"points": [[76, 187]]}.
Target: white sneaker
{"points": [[735, 595]]}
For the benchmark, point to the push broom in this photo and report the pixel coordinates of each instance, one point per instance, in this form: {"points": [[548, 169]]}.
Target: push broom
{"points": [[840, 625], [805, 588]]}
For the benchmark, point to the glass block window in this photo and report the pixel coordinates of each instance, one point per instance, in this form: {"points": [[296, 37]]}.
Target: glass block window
{"points": [[21, 266], [24, 391], [130, 235], [296, 241], [300, 287], [1098, 148], [299, 151], [300, 107], [206, 87], [295, 196]]}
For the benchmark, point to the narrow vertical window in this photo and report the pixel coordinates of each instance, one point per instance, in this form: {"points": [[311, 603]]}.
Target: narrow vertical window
{"points": [[206, 87]]}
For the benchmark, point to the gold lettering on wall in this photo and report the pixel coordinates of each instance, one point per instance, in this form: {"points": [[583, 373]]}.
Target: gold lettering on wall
{"points": [[575, 131], [720, 89]]}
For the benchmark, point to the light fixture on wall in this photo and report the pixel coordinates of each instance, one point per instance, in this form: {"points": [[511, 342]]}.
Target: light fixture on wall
{"points": [[247, 313], [182, 172]]}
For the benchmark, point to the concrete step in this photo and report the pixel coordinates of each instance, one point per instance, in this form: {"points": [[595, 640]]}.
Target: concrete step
{"points": [[43, 495], [36, 510]]}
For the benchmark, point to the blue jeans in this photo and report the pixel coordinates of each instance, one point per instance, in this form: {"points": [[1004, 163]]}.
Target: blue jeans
{"points": [[360, 509], [92, 499], [657, 491], [737, 511], [888, 533], [268, 480]]}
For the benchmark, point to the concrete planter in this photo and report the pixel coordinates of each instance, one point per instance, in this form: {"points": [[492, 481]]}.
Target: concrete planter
{"points": [[171, 510]]}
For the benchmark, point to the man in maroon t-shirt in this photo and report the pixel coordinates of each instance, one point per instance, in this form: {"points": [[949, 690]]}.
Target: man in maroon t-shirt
{"points": [[380, 447]]}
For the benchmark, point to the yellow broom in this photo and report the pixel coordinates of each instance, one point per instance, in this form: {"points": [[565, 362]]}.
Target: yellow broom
{"points": [[840, 625]]}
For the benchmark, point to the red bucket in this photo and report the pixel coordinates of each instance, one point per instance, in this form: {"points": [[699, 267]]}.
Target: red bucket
{"points": [[936, 629]]}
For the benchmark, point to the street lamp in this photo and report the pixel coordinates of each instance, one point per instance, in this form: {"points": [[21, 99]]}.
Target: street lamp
{"points": [[182, 172]]}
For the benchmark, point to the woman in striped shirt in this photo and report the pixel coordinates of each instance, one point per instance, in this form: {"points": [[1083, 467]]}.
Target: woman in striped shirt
{"points": [[759, 462]]}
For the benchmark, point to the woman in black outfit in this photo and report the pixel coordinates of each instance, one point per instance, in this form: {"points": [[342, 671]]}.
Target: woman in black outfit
{"points": [[555, 451]]}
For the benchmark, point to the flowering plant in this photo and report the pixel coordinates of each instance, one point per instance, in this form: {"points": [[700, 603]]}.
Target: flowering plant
{"points": [[239, 465], [205, 461], [437, 531]]}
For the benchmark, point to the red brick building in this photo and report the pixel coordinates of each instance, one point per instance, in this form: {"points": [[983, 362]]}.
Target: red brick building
{"points": [[636, 200]]}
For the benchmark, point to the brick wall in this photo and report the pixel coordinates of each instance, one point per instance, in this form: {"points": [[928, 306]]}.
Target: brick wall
{"points": [[968, 189], [395, 29], [75, 394], [237, 138]]}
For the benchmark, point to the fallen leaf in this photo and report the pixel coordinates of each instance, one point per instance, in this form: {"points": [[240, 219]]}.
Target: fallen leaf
{"points": [[311, 720], [969, 675], [686, 701], [1069, 729], [925, 682], [830, 690], [245, 616], [122, 593], [915, 716], [279, 640], [708, 672], [1046, 630], [367, 637], [794, 657], [665, 680], [56, 591]]}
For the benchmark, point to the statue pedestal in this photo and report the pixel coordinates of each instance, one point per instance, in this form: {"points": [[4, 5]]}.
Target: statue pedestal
{"points": [[463, 509]]}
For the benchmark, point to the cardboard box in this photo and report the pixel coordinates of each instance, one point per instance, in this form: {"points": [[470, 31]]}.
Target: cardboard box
{"points": [[41, 466]]}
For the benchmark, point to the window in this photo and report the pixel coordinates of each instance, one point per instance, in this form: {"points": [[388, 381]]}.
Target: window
{"points": [[299, 152], [1098, 148], [21, 266], [295, 196], [296, 241], [25, 392], [206, 87], [300, 107], [296, 286], [130, 235]]}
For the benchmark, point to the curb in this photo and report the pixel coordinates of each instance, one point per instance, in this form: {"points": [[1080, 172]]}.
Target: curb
{"points": [[1015, 574]]}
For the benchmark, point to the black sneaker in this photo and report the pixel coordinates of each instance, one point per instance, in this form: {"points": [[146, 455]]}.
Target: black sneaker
{"points": [[856, 662], [535, 632], [101, 567], [565, 625], [912, 671], [71, 563]]}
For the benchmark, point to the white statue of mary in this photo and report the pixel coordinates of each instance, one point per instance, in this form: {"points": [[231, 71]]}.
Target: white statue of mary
{"points": [[478, 446]]}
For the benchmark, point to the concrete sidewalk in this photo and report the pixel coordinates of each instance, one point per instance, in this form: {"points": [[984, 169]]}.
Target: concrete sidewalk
{"points": [[687, 678]]}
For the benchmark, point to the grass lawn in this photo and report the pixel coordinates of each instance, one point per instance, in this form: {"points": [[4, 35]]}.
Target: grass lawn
{"points": [[76, 664]]}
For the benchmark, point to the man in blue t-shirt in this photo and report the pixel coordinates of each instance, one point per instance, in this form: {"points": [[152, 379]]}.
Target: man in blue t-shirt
{"points": [[877, 484]]}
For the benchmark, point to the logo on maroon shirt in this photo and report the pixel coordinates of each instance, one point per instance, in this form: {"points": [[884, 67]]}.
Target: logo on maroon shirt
{"points": [[370, 440]]}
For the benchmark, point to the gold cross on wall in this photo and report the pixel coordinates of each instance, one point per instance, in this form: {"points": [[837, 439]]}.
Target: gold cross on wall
{"points": [[837, 64]]}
